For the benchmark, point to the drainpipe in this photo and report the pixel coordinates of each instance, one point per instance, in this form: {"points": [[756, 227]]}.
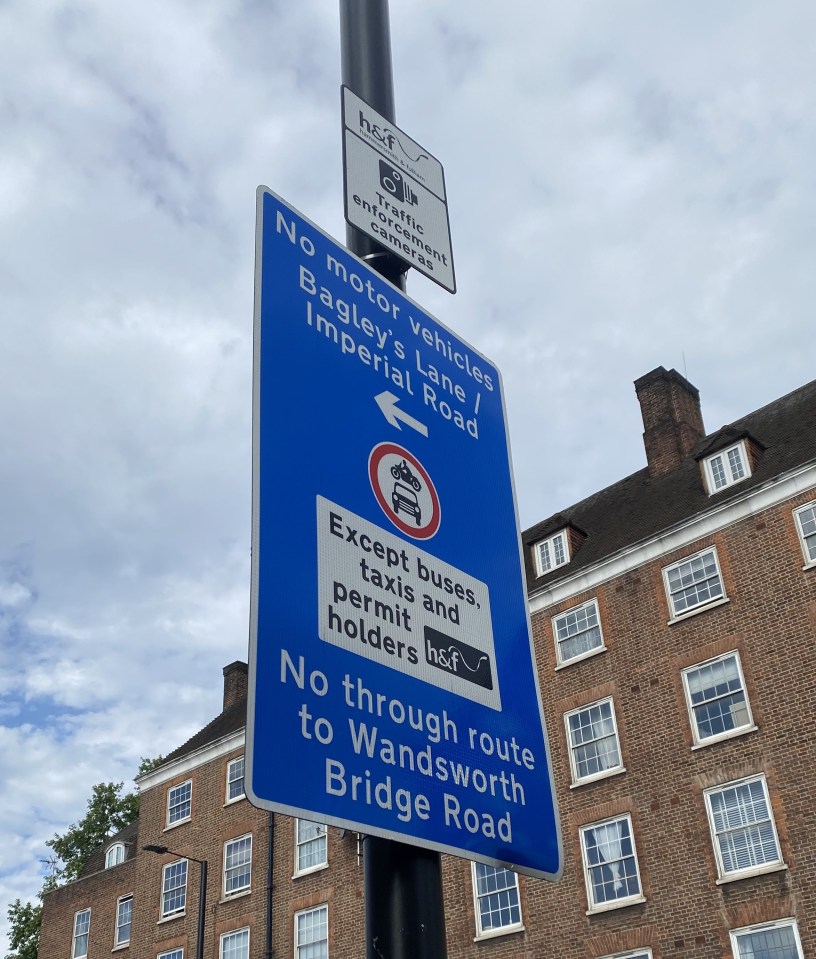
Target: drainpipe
{"points": [[270, 886]]}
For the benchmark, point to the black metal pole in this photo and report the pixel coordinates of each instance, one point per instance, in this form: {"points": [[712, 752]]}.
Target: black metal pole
{"points": [[202, 889], [365, 52], [202, 907], [405, 911]]}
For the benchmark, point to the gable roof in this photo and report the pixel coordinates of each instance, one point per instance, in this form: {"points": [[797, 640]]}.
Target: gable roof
{"points": [[640, 506]]}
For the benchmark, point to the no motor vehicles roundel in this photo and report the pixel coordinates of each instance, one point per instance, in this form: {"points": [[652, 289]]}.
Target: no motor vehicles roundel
{"points": [[404, 490]]}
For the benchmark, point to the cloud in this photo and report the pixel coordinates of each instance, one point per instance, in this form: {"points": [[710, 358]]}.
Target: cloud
{"points": [[629, 185]]}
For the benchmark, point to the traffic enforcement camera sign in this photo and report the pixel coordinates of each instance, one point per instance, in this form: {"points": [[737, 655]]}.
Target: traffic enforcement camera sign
{"points": [[392, 680], [395, 191]]}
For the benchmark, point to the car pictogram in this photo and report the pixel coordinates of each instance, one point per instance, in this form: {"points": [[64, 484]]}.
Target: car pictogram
{"points": [[405, 499]]}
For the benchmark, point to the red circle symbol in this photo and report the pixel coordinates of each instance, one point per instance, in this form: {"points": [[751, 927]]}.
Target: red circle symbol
{"points": [[404, 490]]}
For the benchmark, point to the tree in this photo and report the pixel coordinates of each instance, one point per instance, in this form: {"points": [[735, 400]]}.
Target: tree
{"points": [[24, 936], [108, 811]]}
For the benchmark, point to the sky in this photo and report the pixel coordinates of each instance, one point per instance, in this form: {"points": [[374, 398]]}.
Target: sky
{"points": [[630, 185]]}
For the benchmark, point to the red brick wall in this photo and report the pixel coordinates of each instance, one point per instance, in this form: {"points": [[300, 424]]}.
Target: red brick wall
{"points": [[770, 617]]}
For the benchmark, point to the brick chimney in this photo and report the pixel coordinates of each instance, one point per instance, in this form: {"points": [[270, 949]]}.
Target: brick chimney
{"points": [[672, 419], [235, 683]]}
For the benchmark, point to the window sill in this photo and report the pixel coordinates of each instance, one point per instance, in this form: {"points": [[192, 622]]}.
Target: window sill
{"points": [[121, 946], [497, 933], [698, 609], [176, 915], [724, 737], [724, 487], [750, 873], [581, 658], [310, 871], [594, 779], [608, 907], [809, 565], [175, 825], [232, 802], [234, 895]]}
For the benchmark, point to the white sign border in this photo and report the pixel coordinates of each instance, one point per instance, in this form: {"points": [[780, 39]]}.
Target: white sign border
{"points": [[303, 813]]}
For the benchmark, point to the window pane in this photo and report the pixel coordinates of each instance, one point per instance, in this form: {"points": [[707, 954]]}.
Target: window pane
{"points": [[115, 855], [777, 942], [235, 779], [743, 828], [311, 845], [497, 897], [717, 697], [311, 934], [735, 462], [174, 895], [578, 631], [807, 525], [82, 925], [593, 740], [237, 864], [729, 466], [235, 945], [124, 915], [179, 804], [694, 582], [718, 472], [610, 859], [552, 552]]}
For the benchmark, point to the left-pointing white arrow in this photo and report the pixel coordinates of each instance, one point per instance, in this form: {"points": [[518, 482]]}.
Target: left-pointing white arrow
{"points": [[387, 403]]}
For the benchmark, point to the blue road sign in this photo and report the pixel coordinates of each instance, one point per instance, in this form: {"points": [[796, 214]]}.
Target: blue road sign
{"points": [[392, 680]]}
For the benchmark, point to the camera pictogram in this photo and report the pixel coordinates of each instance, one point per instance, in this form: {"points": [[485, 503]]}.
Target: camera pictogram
{"points": [[393, 182]]}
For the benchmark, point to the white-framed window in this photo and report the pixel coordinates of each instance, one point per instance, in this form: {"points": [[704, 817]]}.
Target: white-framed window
{"points": [[551, 552], [237, 865], [179, 802], [592, 734], [311, 846], [577, 632], [174, 888], [610, 864], [716, 699], [235, 779], [115, 854], [496, 897], [742, 828], [770, 940], [806, 527], [694, 582], [645, 953], [82, 929], [312, 933], [727, 467], [235, 945], [171, 954], [124, 920]]}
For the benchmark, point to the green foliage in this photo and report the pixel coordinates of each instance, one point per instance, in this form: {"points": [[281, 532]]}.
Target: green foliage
{"points": [[148, 765], [24, 935], [108, 811]]}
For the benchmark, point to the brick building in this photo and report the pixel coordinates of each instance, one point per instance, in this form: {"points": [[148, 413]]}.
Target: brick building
{"points": [[674, 616]]}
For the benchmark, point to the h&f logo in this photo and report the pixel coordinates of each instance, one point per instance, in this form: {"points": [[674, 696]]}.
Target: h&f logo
{"points": [[460, 659]]}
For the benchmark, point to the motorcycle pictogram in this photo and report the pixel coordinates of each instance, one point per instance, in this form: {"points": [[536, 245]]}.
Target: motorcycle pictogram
{"points": [[402, 471]]}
